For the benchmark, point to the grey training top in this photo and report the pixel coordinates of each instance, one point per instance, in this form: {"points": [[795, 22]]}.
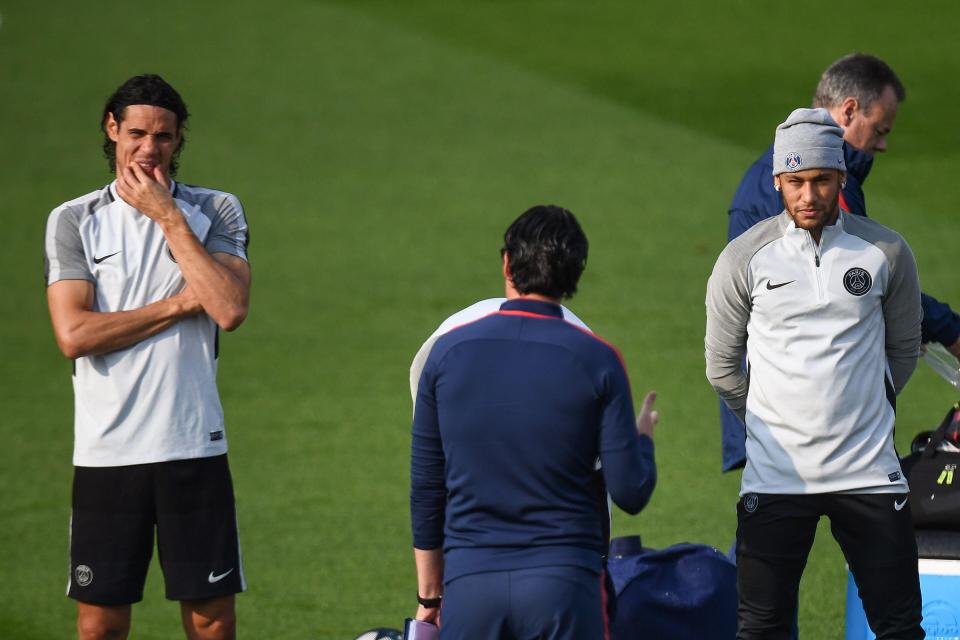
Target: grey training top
{"points": [[831, 333]]}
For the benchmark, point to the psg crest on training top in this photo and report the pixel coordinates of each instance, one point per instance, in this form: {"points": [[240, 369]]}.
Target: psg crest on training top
{"points": [[857, 281], [793, 161]]}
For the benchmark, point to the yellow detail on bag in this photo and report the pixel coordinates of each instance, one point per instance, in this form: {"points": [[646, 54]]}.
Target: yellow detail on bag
{"points": [[946, 476]]}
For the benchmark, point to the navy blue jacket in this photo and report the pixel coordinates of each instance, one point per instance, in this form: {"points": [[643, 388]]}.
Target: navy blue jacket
{"points": [[757, 200], [512, 412]]}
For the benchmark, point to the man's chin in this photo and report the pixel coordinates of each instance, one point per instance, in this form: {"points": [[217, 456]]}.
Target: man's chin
{"points": [[814, 226], [807, 222]]}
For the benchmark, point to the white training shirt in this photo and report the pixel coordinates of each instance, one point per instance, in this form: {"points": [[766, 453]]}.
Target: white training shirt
{"points": [[831, 334], [156, 400]]}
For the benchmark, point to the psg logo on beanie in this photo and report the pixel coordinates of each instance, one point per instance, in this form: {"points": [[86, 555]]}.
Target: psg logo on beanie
{"points": [[808, 139]]}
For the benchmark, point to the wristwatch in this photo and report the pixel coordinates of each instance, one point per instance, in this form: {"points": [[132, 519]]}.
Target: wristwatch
{"points": [[429, 603]]}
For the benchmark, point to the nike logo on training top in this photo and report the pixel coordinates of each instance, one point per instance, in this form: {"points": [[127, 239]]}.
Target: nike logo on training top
{"points": [[212, 578], [899, 505], [101, 259], [777, 286]]}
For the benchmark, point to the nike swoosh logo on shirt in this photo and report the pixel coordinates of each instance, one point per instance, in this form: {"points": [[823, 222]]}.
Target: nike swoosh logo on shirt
{"points": [[102, 258], [771, 286], [899, 505], [212, 578]]}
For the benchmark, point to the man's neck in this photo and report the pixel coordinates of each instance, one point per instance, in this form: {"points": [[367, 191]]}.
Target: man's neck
{"points": [[535, 296], [513, 294], [818, 232]]}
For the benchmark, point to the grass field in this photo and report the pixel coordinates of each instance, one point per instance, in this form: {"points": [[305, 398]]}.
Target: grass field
{"points": [[380, 149]]}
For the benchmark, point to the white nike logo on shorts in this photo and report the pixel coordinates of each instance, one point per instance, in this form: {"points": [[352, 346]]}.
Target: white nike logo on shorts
{"points": [[896, 505], [212, 578]]}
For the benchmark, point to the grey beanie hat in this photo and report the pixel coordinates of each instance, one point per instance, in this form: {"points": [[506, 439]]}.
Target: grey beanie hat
{"points": [[809, 139]]}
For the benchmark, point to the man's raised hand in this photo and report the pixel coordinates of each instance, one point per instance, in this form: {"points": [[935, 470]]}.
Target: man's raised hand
{"points": [[648, 417], [147, 192]]}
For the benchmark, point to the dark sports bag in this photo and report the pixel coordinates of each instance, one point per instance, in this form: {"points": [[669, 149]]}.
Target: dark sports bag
{"points": [[934, 475], [683, 591]]}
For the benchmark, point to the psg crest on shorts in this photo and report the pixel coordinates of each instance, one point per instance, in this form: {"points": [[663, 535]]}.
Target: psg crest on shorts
{"points": [[84, 575], [793, 161], [857, 281]]}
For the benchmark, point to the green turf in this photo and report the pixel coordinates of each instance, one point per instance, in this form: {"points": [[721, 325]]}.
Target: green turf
{"points": [[380, 150]]}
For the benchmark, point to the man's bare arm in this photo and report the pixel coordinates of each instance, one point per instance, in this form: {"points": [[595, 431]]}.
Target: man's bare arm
{"points": [[80, 331], [429, 580], [221, 282]]}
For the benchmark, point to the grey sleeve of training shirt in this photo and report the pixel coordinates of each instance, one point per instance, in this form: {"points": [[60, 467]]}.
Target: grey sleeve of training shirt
{"points": [[229, 232], [63, 255], [902, 314], [728, 312], [902, 310]]}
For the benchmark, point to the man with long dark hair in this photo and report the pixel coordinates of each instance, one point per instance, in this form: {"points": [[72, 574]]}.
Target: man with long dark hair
{"points": [[141, 276]]}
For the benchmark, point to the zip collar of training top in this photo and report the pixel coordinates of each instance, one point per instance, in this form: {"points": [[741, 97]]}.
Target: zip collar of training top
{"points": [[529, 307], [801, 237]]}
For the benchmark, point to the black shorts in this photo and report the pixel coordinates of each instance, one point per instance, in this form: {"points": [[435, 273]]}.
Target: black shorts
{"points": [[189, 503]]}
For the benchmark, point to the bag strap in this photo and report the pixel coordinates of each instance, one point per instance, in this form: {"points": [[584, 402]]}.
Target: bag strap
{"points": [[938, 436]]}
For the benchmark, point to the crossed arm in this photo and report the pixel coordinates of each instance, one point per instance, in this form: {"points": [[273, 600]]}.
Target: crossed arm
{"points": [[217, 284]]}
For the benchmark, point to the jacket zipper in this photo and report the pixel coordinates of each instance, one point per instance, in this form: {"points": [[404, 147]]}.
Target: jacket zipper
{"points": [[816, 264]]}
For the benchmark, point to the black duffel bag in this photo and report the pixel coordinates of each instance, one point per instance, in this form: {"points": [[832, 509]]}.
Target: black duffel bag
{"points": [[932, 470]]}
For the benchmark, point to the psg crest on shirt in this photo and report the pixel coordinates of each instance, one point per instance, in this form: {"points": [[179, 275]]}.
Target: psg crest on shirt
{"points": [[793, 161], [857, 281]]}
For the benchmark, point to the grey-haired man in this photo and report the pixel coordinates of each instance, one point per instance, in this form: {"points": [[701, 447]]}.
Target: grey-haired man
{"points": [[142, 275], [826, 309]]}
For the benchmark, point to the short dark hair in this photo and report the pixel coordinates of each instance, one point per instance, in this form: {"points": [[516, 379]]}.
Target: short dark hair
{"points": [[547, 252], [859, 75], [149, 89]]}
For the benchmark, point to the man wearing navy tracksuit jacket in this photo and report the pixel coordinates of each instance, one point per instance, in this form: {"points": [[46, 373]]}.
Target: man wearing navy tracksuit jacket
{"points": [[862, 94], [512, 413]]}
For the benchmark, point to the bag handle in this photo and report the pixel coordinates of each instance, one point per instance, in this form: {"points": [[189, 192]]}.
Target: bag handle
{"points": [[938, 436]]}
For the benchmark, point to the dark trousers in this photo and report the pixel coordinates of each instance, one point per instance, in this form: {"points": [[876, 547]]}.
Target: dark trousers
{"points": [[543, 603], [875, 533]]}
